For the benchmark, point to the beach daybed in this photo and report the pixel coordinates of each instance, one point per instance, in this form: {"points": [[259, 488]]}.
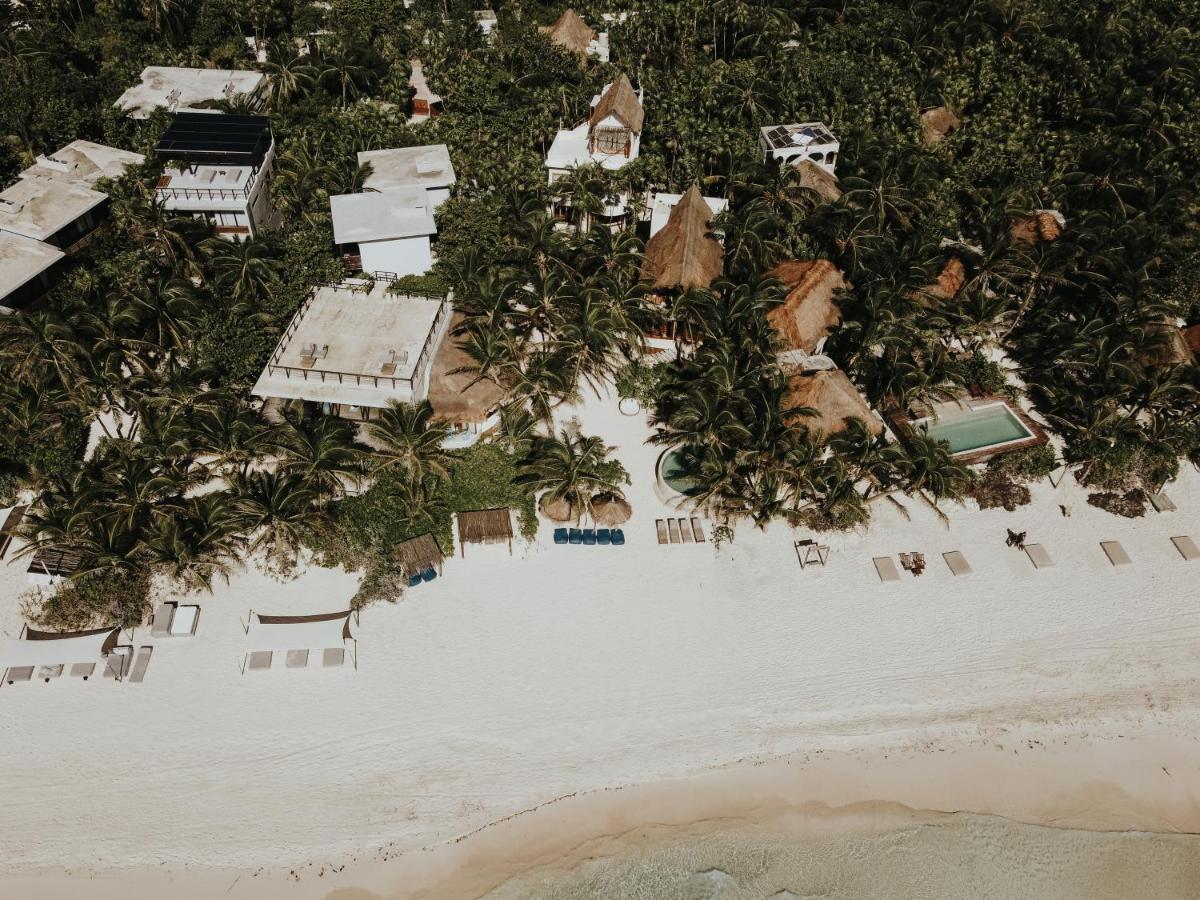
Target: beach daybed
{"points": [[697, 530], [141, 664], [560, 535], [886, 567], [1116, 553], [1162, 503], [957, 562], [589, 537], [603, 536], [618, 537], [38, 650], [295, 637], [83, 670], [575, 536], [333, 656], [173, 620], [1038, 556], [117, 665], [673, 531], [19, 673], [1186, 547], [259, 660]]}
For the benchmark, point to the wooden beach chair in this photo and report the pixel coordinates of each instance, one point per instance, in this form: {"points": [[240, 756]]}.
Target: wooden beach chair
{"points": [[886, 567], [1186, 547], [662, 531], [697, 530], [1038, 556], [685, 531], [259, 660], [160, 626], [1116, 553], [673, 530], [138, 675], [19, 673], [83, 670], [297, 659], [957, 562], [1162, 503]]}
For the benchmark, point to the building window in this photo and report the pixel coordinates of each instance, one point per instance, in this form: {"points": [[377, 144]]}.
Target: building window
{"points": [[611, 140]]}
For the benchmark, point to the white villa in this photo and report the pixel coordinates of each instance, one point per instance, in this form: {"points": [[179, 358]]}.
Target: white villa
{"points": [[28, 269], [611, 137], [219, 168], [84, 163], [425, 168], [386, 234], [811, 141], [355, 347], [184, 90]]}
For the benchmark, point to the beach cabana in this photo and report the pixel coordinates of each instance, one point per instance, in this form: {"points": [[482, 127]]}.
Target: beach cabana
{"points": [[420, 554], [271, 636], [19, 657], [611, 509], [485, 526], [809, 312], [683, 255], [833, 397]]}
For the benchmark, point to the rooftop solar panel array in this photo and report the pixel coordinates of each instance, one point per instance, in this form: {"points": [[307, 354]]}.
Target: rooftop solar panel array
{"points": [[216, 139]]}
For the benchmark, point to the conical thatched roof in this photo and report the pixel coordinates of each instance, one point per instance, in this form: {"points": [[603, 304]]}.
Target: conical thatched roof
{"points": [[936, 123], [948, 283], [809, 312], [682, 255], [816, 179], [1044, 225], [609, 509], [449, 395], [621, 102], [570, 32], [557, 510], [1191, 337], [834, 398]]}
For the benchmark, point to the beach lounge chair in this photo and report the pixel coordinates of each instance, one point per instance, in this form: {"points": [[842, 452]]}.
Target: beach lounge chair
{"points": [[603, 537], [414, 580], [333, 656], [1162, 503], [662, 531], [575, 536], [886, 567], [18, 673], [685, 530], [46, 673], [297, 659], [618, 537], [957, 562], [589, 536], [560, 535], [83, 670], [429, 574], [259, 659], [1116, 553], [697, 531], [1186, 547], [187, 617], [1038, 556], [163, 616], [118, 662], [673, 530], [140, 664]]}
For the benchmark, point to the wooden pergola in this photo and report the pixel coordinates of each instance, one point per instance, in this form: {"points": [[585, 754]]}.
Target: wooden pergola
{"points": [[485, 526], [420, 553]]}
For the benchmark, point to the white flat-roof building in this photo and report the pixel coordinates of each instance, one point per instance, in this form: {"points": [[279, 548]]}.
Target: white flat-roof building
{"points": [[811, 141], [355, 347], [486, 19], [27, 270], [194, 90], [57, 212], [425, 168], [662, 204], [84, 163], [384, 233]]}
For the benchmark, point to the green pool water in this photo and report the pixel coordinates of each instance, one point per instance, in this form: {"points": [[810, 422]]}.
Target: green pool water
{"points": [[979, 428], [674, 476]]}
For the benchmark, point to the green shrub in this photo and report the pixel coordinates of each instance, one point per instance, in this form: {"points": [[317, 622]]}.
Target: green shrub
{"points": [[94, 600], [1031, 464]]}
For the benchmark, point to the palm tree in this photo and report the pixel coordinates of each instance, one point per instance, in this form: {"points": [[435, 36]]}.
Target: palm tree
{"points": [[246, 271], [319, 449], [340, 73], [278, 510], [197, 543], [291, 75], [573, 468], [406, 439]]}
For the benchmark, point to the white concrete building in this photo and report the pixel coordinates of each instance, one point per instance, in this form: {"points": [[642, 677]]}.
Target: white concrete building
{"points": [[662, 204], [486, 19], [811, 141], [184, 90], [355, 347], [425, 168], [219, 166], [84, 163], [384, 233], [425, 103], [28, 269]]}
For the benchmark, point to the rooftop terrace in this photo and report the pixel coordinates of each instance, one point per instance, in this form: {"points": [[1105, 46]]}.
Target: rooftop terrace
{"points": [[39, 208], [23, 259], [186, 89], [426, 167], [83, 163]]}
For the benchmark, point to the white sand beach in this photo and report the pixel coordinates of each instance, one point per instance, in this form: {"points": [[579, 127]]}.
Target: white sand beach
{"points": [[1064, 696]]}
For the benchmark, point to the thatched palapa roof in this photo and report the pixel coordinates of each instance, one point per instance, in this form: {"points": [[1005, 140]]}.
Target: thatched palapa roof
{"points": [[621, 102], [1043, 225], [683, 255], [948, 283], [557, 509], [610, 509], [419, 553], [1191, 337], [1168, 346], [936, 123], [570, 32], [821, 182], [834, 398], [449, 395], [485, 526], [809, 312]]}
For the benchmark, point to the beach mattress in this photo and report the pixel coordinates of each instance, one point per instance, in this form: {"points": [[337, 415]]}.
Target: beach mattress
{"points": [[1038, 556], [1186, 547], [1116, 553], [886, 567], [957, 562]]}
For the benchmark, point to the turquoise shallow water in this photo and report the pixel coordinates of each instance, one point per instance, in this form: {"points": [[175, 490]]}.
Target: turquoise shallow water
{"points": [[981, 428], [947, 858]]}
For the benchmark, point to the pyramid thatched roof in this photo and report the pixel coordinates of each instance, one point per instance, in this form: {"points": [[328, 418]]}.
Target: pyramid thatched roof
{"points": [[419, 553], [620, 101], [818, 180], [809, 312], [1044, 225], [449, 395], [948, 283], [936, 123], [682, 255], [611, 509], [570, 32], [1191, 337], [834, 398]]}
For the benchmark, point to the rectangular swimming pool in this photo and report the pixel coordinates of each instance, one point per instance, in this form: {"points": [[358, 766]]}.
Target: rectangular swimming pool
{"points": [[975, 429]]}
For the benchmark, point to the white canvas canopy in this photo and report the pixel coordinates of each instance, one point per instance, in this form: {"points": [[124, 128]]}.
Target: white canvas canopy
{"points": [[298, 632], [43, 648]]}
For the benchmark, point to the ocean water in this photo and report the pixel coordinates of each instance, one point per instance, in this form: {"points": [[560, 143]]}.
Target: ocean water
{"points": [[941, 857]]}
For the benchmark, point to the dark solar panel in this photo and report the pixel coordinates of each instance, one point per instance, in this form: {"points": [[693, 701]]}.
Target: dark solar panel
{"points": [[215, 139]]}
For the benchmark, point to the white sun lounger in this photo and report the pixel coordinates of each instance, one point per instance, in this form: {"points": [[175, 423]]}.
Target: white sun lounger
{"points": [[46, 673], [1186, 547], [140, 664], [259, 659], [698, 531], [163, 616], [1116, 553], [333, 656], [83, 670], [685, 531], [118, 662], [1162, 503], [957, 562], [1038, 556], [886, 567], [19, 673], [185, 621], [297, 659]]}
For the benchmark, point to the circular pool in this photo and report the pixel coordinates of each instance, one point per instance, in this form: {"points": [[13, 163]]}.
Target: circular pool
{"points": [[673, 477]]}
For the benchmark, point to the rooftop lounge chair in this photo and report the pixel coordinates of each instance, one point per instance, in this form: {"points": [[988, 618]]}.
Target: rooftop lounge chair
{"points": [[697, 530], [957, 562], [333, 656], [161, 625], [685, 531], [886, 567], [259, 659], [1038, 556], [429, 574], [118, 662], [83, 670], [297, 659], [1116, 553], [140, 664], [1186, 547], [187, 617], [560, 535], [1162, 503], [603, 537], [575, 536], [673, 530], [662, 531], [618, 537], [589, 536], [46, 673], [18, 673]]}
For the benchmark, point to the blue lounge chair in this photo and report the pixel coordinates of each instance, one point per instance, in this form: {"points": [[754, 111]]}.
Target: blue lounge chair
{"points": [[414, 580], [589, 536], [575, 536], [603, 537], [560, 535], [618, 537], [429, 574]]}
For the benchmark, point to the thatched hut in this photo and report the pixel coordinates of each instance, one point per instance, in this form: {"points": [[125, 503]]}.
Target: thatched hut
{"points": [[1191, 337], [948, 283], [834, 398], [570, 32], [936, 124], [461, 398], [809, 312], [418, 554], [557, 509], [485, 526], [609, 509], [1043, 225], [620, 102], [683, 255], [820, 181]]}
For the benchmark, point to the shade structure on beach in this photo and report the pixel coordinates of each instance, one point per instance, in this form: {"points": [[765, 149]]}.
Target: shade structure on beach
{"points": [[485, 526], [298, 632], [420, 553], [610, 509], [45, 648], [556, 509]]}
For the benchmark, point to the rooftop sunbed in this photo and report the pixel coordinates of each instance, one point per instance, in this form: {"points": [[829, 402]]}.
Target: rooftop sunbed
{"points": [[1038, 556]]}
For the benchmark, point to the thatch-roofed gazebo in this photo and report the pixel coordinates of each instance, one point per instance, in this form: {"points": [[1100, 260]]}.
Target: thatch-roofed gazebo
{"points": [[809, 312], [1043, 225], [683, 255], [419, 553], [461, 398], [610, 509], [570, 32], [621, 102], [834, 398], [485, 526], [821, 182], [936, 124]]}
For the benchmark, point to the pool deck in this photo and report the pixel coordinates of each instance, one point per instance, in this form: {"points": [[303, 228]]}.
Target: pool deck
{"points": [[902, 425]]}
